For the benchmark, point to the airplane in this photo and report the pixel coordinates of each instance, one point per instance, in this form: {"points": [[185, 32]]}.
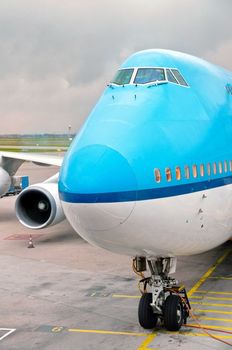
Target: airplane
{"points": [[149, 174]]}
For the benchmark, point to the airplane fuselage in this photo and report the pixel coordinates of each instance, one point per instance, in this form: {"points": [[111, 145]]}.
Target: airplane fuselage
{"points": [[150, 172]]}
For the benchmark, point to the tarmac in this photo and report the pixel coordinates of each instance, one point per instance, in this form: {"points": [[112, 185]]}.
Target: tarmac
{"points": [[67, 294]]}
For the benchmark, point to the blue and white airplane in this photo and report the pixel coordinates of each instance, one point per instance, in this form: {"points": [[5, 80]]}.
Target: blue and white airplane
{"points": [[149, 175]]}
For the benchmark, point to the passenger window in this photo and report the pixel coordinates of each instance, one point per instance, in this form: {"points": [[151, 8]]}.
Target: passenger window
{"points": [[220, 167], [168, 174], [208, 169], [225, 166], [194, 171], [178, 173], [157, 175], [214, 168], [202, 170], [187, 172]]}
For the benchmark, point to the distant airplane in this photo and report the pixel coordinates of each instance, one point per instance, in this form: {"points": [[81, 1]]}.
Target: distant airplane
{"points": [[149, 175]]}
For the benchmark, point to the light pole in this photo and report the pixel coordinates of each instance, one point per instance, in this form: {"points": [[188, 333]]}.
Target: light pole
{"points": [[69, 133]]}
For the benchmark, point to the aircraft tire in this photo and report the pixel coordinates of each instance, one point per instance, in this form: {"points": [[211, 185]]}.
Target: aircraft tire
{"points": [[147, 318], [173, 313]]}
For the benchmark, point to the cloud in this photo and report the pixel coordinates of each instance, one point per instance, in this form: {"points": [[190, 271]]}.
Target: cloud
{"points": [[56, 57]]}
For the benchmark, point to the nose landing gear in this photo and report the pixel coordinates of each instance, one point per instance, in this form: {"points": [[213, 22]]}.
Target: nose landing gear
{"points": [[167, 301]]}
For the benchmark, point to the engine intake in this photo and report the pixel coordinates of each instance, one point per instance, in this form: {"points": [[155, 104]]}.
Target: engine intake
{"points": [[39, 206]]}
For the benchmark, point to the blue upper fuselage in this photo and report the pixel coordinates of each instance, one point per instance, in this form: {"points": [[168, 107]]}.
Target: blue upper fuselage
{"points": [[135, 129]]}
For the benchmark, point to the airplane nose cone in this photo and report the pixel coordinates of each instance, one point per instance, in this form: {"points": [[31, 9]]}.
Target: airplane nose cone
{"points": [[98, 188]]}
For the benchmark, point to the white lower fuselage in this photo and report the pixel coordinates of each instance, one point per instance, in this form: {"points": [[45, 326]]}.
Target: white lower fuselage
{"points": [[179, 225]]}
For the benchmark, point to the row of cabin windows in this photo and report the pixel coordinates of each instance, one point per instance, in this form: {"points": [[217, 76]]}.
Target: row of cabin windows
{"points": [[202, 170]]}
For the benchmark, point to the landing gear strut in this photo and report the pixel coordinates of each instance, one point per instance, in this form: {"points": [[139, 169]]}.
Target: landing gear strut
{"points": [[167, 301]]}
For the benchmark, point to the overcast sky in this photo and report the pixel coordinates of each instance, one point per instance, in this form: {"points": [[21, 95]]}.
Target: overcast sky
{"points": [[57, 56]]}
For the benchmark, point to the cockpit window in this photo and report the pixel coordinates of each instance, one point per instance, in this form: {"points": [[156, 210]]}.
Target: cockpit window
{"points": [[171, 77], [179, 77], [123, 76], [147, 75]]}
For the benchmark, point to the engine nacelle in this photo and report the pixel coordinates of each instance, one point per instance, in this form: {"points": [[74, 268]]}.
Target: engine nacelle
{"points": [[39, 206], [5, 181]]}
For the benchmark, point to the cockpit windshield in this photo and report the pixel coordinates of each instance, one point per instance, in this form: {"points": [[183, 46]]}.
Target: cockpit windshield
{"points": [[148, 75], [123, 76]]}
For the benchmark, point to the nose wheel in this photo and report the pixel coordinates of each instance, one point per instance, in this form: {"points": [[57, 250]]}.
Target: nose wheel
{"points": [[173, 313], [167, 301], [147, 318]]}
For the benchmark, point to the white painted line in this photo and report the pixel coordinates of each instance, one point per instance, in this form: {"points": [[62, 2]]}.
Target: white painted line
{"points": [[10, 330]]}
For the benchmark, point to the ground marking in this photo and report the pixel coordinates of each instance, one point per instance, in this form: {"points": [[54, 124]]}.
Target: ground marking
{"points": [[209, 298], [209, 272], [213, 311], [211, 292], [211, 327], [126, 296], [226, 320], [57, 329], [221, 278], [210, 304], [96, 331], [10, 330], [147, 342], [192, 334]]}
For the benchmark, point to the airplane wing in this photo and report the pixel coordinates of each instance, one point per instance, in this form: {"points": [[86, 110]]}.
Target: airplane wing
{"points": [[43, 159], [11, 161]]}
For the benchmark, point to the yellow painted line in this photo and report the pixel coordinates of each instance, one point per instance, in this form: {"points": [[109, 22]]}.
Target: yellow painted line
{"points": [[209, 298], [211, 292], [193, 297], [212, 327], [226, 320], [210, 304], [147, 342], [96, 331], [213, 311], [221, 278], [208, 273], [192, 334], [126, 296]]}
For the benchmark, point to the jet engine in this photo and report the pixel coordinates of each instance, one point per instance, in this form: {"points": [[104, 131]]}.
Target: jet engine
{"points": [[5, 181], [39, 206]]}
